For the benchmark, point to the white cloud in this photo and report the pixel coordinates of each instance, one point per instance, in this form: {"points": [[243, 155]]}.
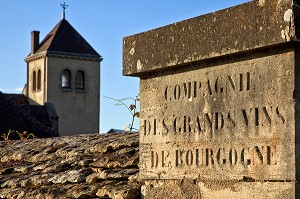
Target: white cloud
{"points": [[18, 89], [8, 90], [3, 90]]}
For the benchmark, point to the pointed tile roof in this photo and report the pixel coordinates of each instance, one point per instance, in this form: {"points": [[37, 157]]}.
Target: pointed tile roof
{"points": [[63, 38]]}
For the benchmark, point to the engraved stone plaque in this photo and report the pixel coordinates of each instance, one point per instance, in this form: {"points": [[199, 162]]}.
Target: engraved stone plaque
{"points": [[227, 121], [220, 103]]}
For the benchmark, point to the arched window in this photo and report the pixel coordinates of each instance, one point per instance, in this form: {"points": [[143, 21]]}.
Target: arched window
{"points": [[39, 80], [34, 81], [66, 79], [79, 80]]}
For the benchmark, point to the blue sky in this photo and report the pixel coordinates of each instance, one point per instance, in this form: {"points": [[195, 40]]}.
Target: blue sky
{"points": [[103, 23]]}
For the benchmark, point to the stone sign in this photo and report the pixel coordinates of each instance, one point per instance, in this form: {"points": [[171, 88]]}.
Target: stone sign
{"points": [[219, 99], [228, 121]]}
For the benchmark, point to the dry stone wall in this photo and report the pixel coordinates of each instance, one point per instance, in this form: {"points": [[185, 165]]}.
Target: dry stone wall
{"points": [[82, 166]]}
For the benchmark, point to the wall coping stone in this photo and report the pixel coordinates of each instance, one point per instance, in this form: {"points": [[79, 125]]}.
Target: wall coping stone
{"points": [[253, 25]]}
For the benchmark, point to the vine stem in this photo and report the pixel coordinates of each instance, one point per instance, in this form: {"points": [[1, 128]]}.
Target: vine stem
{"points": [[129, 108], [133, 116], [121, 101]]}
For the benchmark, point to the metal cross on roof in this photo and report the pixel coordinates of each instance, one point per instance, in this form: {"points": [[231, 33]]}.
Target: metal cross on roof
{"points": [[64, 6]]}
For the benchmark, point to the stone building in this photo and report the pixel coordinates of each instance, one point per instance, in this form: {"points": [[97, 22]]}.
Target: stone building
{"points": [[17, 115], [64, 69]]}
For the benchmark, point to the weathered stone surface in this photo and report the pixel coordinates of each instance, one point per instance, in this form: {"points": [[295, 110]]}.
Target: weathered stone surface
{"points": [[120, 191], [220, 103], [122, 158], [249, 26], [229, 121], [66, 167], [194, 189]]}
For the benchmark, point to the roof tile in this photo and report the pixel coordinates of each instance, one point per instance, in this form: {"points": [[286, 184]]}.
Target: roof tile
{"points": [[64, 38]]}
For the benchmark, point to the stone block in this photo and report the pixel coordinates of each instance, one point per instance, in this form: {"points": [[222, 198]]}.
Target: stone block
{"points": [[220, 102], [192, 189], [227, 120], [245, 27]]}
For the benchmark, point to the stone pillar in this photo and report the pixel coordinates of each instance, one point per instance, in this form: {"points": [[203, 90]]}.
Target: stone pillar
{"points": [[220, 103]]}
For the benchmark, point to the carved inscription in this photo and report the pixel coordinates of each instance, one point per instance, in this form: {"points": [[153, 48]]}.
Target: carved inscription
{"points": [[204, 122], [218, 86], [228, 121], [209, 157], [207, 122]]}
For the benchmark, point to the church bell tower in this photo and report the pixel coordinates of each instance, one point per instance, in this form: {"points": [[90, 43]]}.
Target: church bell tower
{"points": [[64, 69]]}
